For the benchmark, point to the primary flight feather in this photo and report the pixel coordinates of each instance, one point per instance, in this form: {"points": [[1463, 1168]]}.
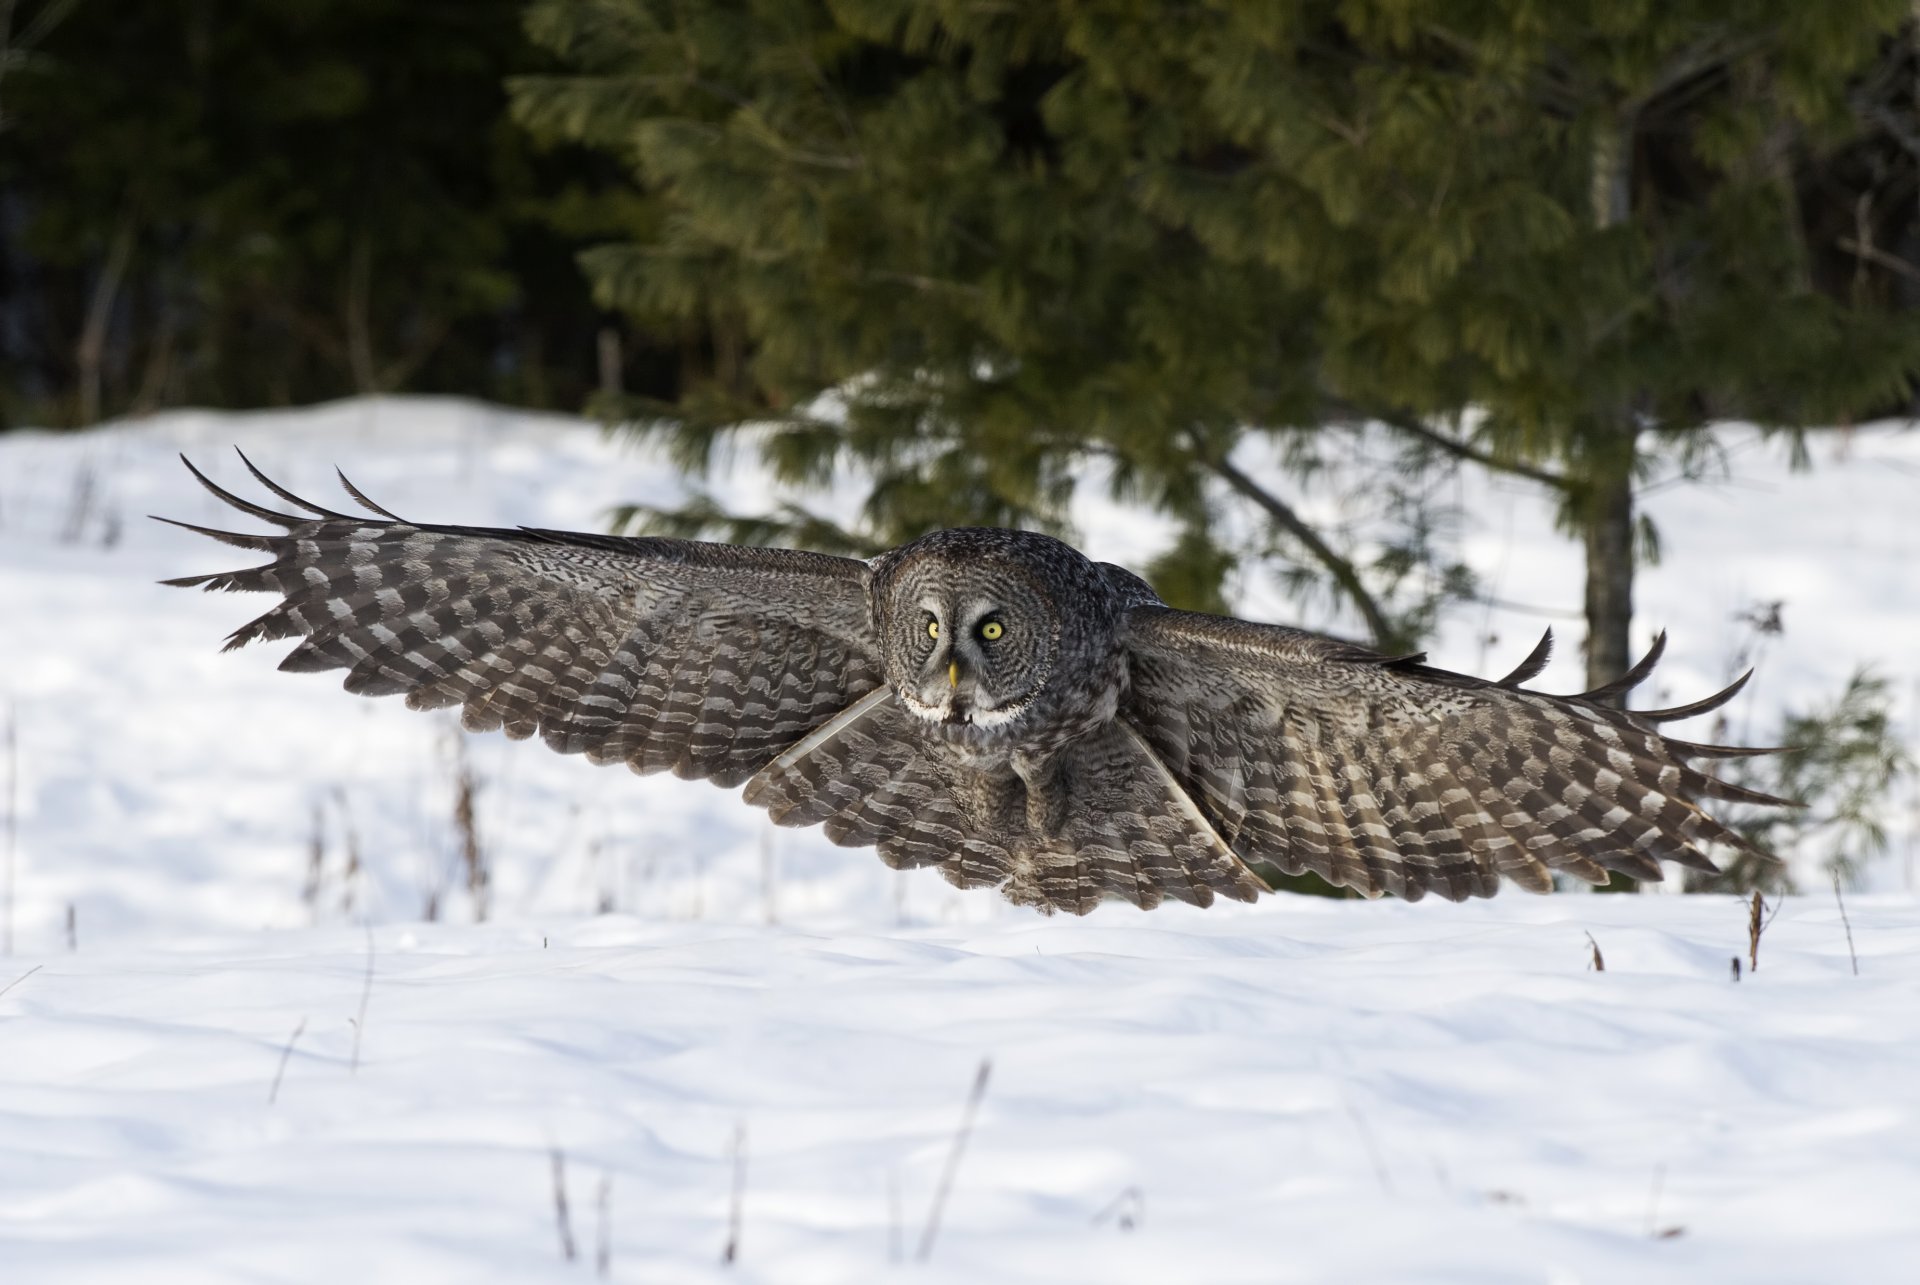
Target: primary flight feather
{"points": [[994, 704]]}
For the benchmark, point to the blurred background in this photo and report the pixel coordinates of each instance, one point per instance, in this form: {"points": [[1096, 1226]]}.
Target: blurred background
{"points": [[1292, 282]]}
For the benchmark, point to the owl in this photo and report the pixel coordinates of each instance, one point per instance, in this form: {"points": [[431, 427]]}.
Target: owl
{"points": [[993, 704]]}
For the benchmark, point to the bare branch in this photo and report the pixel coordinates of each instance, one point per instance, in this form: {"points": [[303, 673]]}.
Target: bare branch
{"points": [[1874, 254], [1343, 571], [1413, 427]]}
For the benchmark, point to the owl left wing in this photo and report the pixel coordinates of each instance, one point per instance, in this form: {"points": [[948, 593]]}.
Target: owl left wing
{"points": [[704, 659], [1386, 776]]}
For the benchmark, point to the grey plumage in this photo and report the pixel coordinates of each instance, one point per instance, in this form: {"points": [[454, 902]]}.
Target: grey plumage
{"points": [[993, 704]]}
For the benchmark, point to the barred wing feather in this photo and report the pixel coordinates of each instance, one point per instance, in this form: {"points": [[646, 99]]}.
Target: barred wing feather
{"points": [[1384, 775], [706, 660]]}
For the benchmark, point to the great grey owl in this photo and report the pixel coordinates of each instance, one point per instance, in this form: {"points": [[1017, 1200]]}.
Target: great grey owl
{"points": [[994, 704]]}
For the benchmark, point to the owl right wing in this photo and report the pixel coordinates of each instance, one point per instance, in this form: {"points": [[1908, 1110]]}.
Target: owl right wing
{"points": [[704, 659], [1383, 775]]}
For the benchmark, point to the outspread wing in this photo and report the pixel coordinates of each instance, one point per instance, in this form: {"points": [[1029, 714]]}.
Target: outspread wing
{"points": [[707, 660], [1386, 776]]}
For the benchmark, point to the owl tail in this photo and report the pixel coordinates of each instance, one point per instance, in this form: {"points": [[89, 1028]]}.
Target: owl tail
{"points": [[1128, 830]]}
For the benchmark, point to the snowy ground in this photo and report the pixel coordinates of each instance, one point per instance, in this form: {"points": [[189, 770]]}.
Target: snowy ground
{"points": [[1300, 1090]]}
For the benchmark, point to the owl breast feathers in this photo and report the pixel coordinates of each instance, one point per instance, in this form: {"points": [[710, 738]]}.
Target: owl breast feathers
{"points": [[993, 704]]}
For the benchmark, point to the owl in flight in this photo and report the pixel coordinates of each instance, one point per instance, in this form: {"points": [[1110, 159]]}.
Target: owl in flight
{"points": [[994, 704]]}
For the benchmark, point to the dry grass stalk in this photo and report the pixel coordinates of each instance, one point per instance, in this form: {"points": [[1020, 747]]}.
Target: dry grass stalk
{"points": [[80, 503], [560, 1217], [603, 1247], [1127, 1210], [350, 839], [1374, 1156], [1735, 962], [1759, 917], [1654, 1229], [932, 1229], [366, 993], [896, 1231], [768, 882], [21, 978], [1845, 923], [473, 855], [607, 900], [1599, 962], [274, 1093], [737, 1206], [316, 860], [73, 928]]}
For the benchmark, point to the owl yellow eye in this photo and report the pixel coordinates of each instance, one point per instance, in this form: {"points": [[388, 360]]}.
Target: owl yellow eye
{"points": [[992, 630], [933, 629]]}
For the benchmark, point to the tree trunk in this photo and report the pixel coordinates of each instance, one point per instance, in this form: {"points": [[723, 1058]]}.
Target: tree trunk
{"points": [[89, 357], [1607, 506], [359, 320], [159, 372], [612, 363], [1607, 525]]}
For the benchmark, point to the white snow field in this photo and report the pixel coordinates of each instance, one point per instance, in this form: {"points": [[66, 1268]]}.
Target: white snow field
{"points": [[226, 1058]]}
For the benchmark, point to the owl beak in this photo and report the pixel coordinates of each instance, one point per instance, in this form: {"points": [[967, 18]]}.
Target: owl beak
{"points": [[953, 673]]}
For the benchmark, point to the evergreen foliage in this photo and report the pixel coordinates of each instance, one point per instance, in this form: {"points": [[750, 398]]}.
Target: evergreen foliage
{"points": [[966, 249], [1843, 760]]}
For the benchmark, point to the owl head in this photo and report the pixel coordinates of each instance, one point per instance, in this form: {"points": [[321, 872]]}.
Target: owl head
{"points": [[979, 626]]}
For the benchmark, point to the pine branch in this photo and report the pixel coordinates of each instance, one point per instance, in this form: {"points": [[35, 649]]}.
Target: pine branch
{"points": [[1412, 426]]}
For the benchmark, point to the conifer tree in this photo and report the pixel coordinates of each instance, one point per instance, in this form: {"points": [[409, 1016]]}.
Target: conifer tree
{"points": [[1589, 225], [942, 215], [1010, 239], [260, 202]]}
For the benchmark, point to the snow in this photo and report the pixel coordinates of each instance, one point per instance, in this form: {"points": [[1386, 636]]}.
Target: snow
{"points": [[1299, 1090]]}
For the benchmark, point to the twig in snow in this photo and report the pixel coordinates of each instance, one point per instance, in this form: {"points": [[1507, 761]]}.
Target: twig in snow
{"points": [[736, 1207], [350, 838], [366, 993], [896, 1238], [960, 1137], [603, 1249], [473, 855], [560, 1218], [1373, 1149], [1654, 1229], [1127, 1210], [1845, 923], [73, 929], [79, 503], [1599, 962], [1735, 963], [285, 1053], [767, 871], [316, 860], [21, 978]]}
